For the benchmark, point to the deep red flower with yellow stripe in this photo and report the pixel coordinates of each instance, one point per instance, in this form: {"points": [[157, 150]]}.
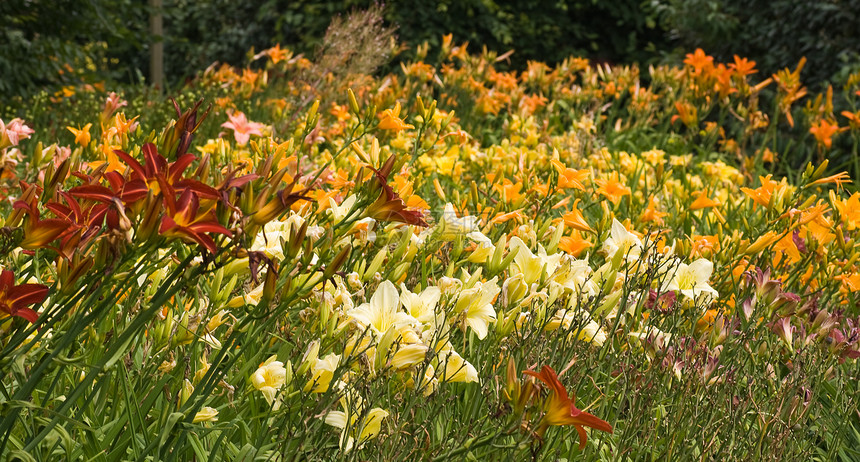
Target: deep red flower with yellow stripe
{"points": [[14, 299], [561, 410], [185, 219]]}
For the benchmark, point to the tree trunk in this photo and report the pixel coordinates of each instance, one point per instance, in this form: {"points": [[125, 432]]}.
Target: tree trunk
{"points": [[156, 47]]}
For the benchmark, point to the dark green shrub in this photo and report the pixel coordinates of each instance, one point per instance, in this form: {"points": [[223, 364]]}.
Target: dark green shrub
{"points": [[774, 33]]}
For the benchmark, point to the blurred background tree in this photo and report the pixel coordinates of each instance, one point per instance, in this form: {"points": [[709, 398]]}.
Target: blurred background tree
{"points": [[775, 33], [51, 43]]}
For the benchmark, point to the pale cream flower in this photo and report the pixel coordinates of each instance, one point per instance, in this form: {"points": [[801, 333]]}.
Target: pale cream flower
{"points": [[622, 240], [322, 371], [455, 368], [421, 306], [476, 306], [206, 414], [576, 276], [532, 266], [409, 355], [356, 427], [451, 226], [382, 312], [484, 250], [692, 280], [339, 212], [269, 378]]}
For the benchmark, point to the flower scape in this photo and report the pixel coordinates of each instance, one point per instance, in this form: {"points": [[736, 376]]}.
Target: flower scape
{"points": [[446, 262]]}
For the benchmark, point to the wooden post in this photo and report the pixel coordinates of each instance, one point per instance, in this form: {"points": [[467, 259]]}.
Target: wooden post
{"points": [[156, 46]]}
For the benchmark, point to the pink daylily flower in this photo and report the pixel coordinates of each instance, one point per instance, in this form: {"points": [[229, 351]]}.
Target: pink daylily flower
{"points": [[242, 128], [13, 132]]}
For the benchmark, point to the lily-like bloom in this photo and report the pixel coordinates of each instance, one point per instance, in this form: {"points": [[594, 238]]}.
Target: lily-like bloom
{"points": [[382, 312], [242, 128], [451, 225], [532, 266], [692, 280], [569, 177], [561, 409], [576, 276], [82, 135], [356, 426], [589, 332], [476, 306], [14, 299], [185, 220], [389, 206], [390, 120], [339, 212], [622, 240], [575, 220], [483, 249], [156, 172], [455, 368], [206, 414], [421, 306], [409, 355], [40, 233], [13, 132], [323, 372], [269, 378]]}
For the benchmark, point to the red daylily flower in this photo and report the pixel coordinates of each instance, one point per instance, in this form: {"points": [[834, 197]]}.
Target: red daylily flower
{"points": [[184, 220], [156, 170], [560, 408], [389, 206], [38, 233], [14, 299]]}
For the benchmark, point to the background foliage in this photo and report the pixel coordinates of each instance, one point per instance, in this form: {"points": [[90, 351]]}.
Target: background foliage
{"points": [[776, 33], [108, 39]]}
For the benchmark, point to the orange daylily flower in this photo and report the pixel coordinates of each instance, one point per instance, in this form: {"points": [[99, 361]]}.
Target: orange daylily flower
{"points": [[787, 246], [278, 54], [612, 188], [838, 179], [824, 131], [561, 409], [112, 161], [821, 234], [503, 217], [763, 193], [743, 67], [762, 243], [703, 201], [853, 118], [651, 214], [699, 61], [510, 191], [703, 246], [82, 135], [687, 114], [14, 299], [790, 89], [569, 177], [575, 220], [574, 244], [849, 211], [390, 120]]}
